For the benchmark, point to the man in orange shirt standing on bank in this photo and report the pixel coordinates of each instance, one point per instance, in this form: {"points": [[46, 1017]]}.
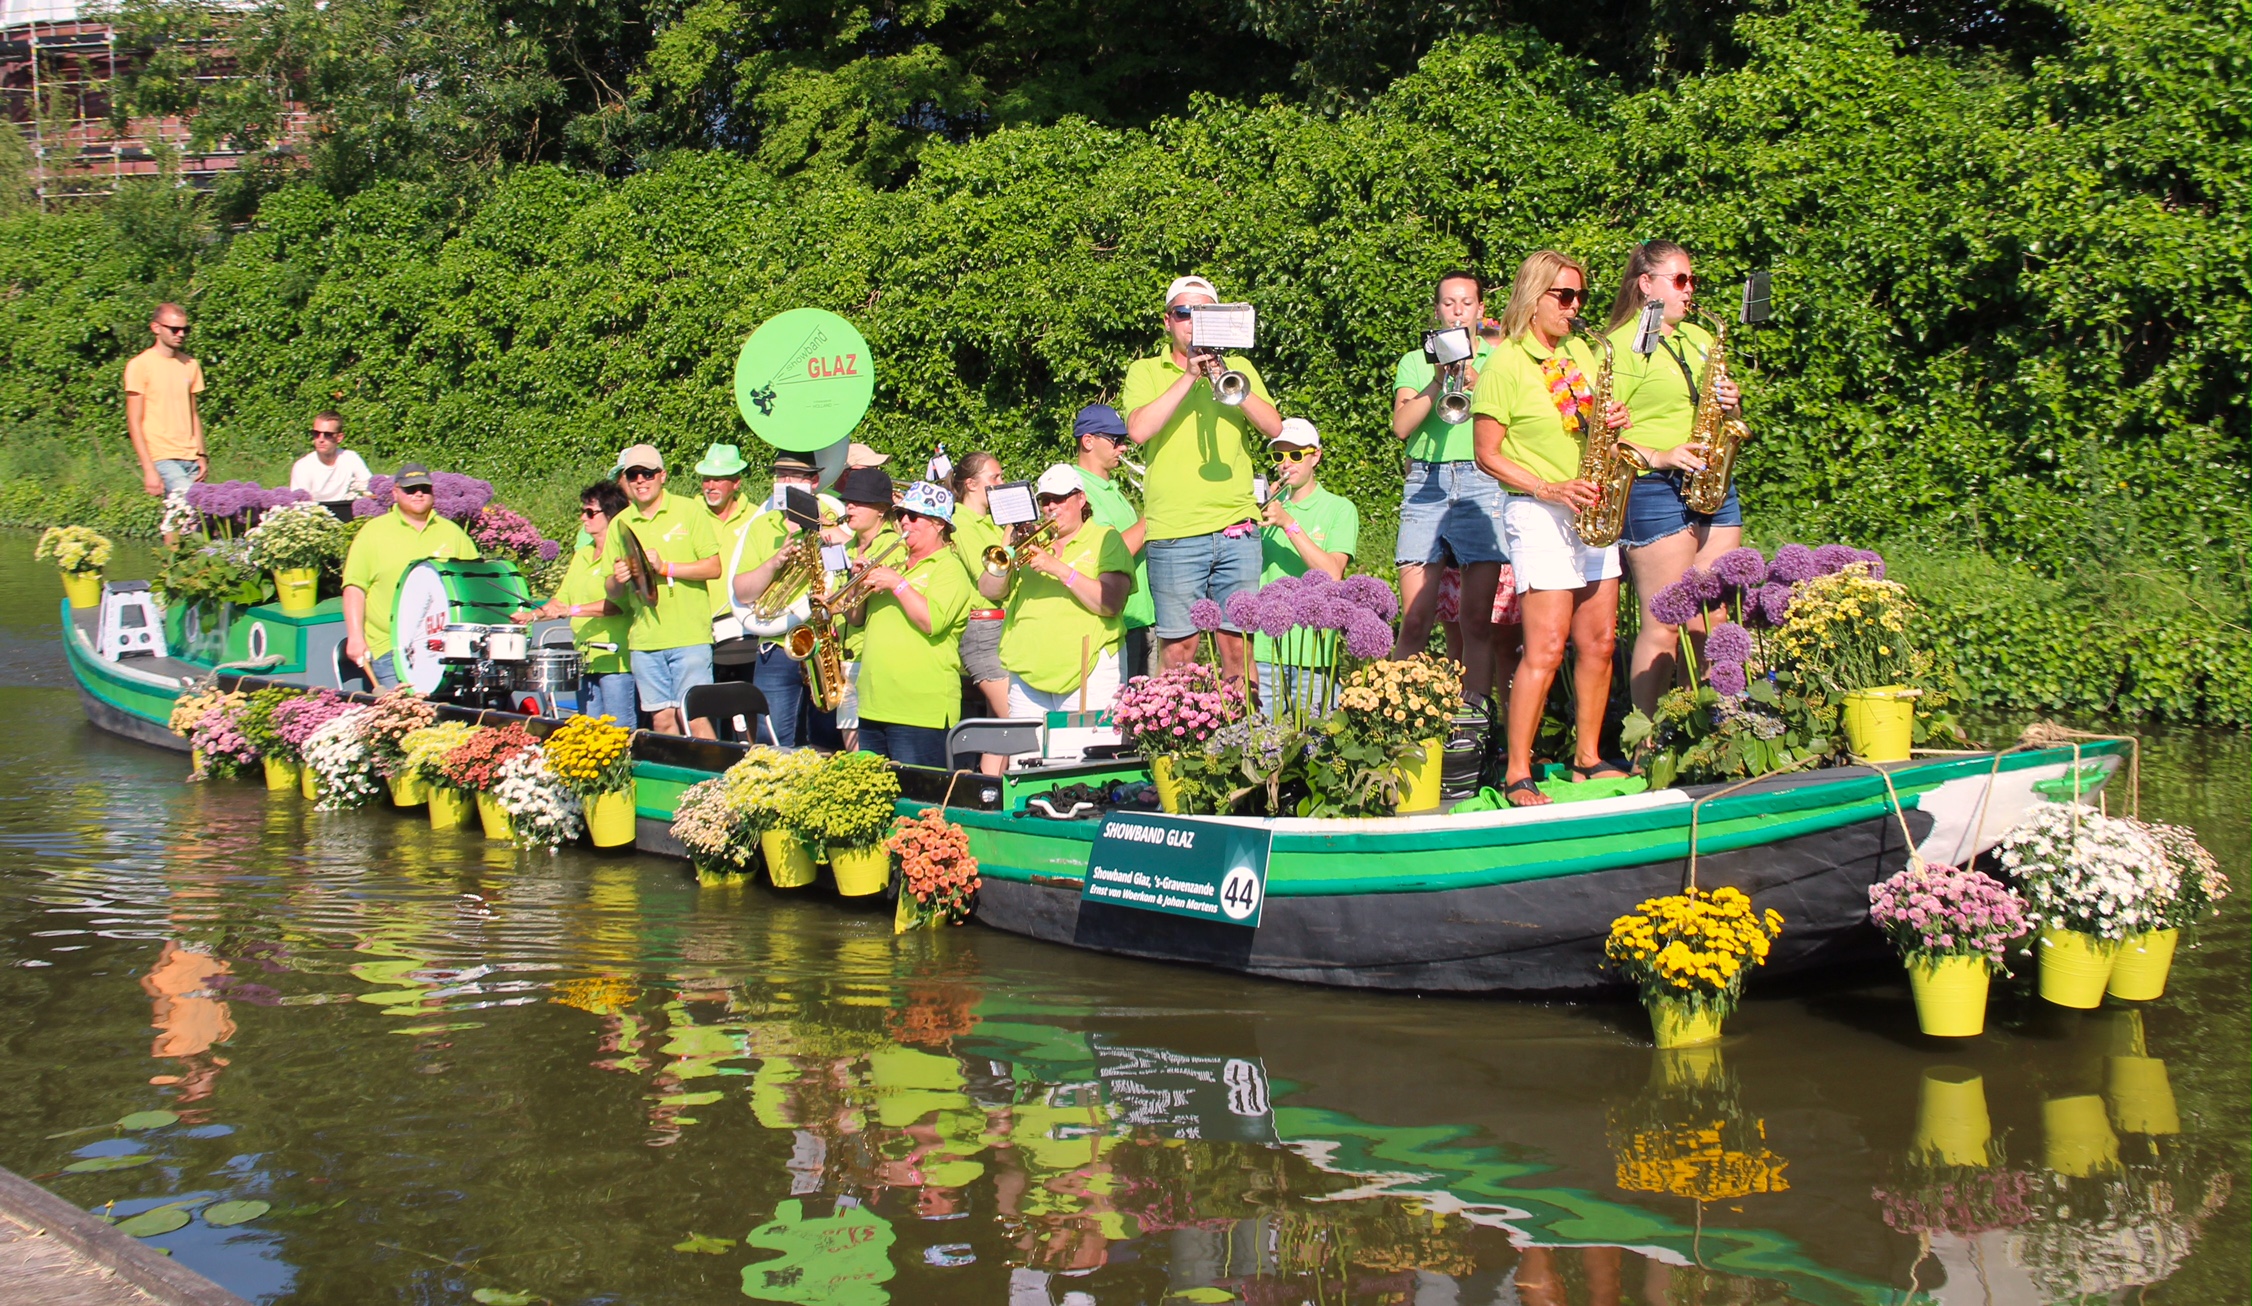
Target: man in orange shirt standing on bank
{"points": [[161, 385]]}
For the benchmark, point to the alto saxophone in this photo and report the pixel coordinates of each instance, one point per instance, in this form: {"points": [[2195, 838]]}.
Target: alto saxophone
{"points": [[1721, 435], [1610, 465]]}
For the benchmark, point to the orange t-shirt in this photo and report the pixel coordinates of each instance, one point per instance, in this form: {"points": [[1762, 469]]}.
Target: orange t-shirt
{"points": [[165, 385]]}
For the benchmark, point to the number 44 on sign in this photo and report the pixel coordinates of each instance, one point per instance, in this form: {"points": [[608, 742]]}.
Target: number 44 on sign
{"points": [[1183, 867]]}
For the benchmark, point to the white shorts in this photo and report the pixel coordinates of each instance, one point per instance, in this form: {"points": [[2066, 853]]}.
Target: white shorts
{"points": [[1102, 686], [1545, 548], [848, 707]]}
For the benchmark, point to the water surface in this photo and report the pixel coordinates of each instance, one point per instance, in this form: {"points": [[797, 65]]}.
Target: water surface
{"points": [[451, 1068]]}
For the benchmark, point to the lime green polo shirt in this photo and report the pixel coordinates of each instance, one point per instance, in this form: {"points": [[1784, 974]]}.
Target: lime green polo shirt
{"points": [[1200, 463], [1513, 390], [856, 637], [908, 678], [1332, 523], [584, 585], [681, 530], [1042, 642], [1654, 389], [1435, 441], [729, 533], [379, 557], [1108, 504], [974, 533]]}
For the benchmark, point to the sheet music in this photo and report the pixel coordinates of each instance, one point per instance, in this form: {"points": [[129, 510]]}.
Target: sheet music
{"points": [[1011, 504]]}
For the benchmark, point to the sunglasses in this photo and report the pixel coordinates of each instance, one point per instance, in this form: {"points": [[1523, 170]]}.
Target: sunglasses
{"points": [[320, 434], [589, 512], [1680, 280], [641, 473], [175, 330], [1295, 455], [416, 489], [1181, 313], [1566, 296]]}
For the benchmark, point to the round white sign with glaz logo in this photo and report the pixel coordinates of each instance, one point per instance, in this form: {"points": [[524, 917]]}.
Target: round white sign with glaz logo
{"points": [[1239, 894]]}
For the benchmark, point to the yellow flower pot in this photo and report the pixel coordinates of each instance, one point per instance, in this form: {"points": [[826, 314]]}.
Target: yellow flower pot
{"points": [[2138, 972], [450, 809], [195, 762], [2078, 1136], [2142, 1101], [83, 588], [308, 782], [494, 818], [1168, 784], [1952, 1126], [1950, 995], [1419, 782], [2075, 967], [1879, 723], [407, 790], [860, 871], [609, 819], [297, 589], [789, 865], [1676, 1025], [281, 773]]}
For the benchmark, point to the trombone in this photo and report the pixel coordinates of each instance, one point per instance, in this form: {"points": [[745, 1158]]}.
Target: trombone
{"points": [[1000, 560]]}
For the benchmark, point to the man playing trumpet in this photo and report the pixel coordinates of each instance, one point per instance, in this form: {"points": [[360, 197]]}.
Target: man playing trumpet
{"points": [[1066, 599]]}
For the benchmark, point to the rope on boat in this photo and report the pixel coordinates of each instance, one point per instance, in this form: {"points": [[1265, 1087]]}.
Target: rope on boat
{"points": [[2049, 734], [1696, 810]]}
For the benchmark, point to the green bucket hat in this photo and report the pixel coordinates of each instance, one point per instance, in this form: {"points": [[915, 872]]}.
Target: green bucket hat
{"points": [[722, 460]]}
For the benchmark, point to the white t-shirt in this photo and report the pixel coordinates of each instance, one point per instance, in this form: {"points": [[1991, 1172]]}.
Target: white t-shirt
{"points": [[346, 478]]}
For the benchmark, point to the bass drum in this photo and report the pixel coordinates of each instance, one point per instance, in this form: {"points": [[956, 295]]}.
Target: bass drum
{"points": [[440, 592]]}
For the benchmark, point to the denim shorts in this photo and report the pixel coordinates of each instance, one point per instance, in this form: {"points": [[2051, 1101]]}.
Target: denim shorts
{"points": [[981, 648], [611, 693], [1655, 510], [1454, 504], [1199, 567], [175, 474], [664, 676]]}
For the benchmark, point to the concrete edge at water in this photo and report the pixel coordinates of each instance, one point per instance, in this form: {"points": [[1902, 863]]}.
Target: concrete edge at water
{"points": [[101, 1246]]}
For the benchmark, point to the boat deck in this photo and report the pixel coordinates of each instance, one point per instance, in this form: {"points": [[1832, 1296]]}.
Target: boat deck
{"points": [[53, 1254]]}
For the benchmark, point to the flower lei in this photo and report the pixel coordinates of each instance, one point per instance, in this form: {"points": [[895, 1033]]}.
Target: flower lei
{"points": [[544, 812], [1569, 389]]}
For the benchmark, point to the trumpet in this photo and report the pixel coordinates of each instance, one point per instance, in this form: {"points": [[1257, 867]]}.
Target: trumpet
{"points": [[1450, 350], [1454, 396], [854, 591], [1000, 560], [1229, 386]]}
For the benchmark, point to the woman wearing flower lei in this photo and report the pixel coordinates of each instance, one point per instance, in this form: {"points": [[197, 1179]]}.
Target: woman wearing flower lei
{"points": [[1533, 401], [1663, 537]]}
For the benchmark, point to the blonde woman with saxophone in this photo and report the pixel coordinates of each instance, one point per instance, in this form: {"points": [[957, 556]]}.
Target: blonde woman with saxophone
{"points": [[1535, 395], [1664, 536]]}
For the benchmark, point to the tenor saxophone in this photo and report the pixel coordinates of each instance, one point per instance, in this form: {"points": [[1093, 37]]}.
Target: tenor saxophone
{"points": [[1721, 435], [1605, 462]]}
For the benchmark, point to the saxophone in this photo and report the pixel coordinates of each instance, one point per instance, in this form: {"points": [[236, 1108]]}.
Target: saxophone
{"points": [[1609, 465], [819, 643], [1721, 435]]}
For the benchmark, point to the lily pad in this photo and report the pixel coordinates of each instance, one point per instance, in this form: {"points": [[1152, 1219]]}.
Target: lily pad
{"points": [[148, 1120], [148, 1224], [697, 1242], [232, 1213], [502, 1297], [1204, 1294], [98, 1164]]}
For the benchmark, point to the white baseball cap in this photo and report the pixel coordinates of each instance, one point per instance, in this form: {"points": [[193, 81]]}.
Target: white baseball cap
{"points": [[1183, 285], [1297, 431], [1059, 480]]}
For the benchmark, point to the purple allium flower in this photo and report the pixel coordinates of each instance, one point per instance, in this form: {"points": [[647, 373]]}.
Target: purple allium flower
{"points": [[1728, 643], [1677, 604], [460, 497], [1372, 594], [550, 550], [1241, 611], [1743, 568], [1793, 563], [1277, 616], [1727, 677], [1313, 582], [1875, 561], [1833, 558], [1204, 614], [1709, 586], [1281, 587], [1367, 638], [1775, 603], [369, 507]]}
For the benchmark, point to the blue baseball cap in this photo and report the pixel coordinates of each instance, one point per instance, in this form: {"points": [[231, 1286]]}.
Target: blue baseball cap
{"points": [[1098, 419]]}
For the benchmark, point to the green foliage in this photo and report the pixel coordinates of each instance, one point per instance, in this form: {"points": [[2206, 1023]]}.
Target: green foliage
{"points": [[1699, 737]]}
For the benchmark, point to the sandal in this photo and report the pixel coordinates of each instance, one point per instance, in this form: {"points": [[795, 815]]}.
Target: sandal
{"points": [[1525, 786], [1603, 770]]}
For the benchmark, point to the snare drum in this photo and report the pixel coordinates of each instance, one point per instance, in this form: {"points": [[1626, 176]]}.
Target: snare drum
{"points": [[552, 670], [460, 642], [439, 594], [505, 643]]}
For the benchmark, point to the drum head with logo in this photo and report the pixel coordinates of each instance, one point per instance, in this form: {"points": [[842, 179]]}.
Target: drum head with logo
{"points": [[440, 592]]}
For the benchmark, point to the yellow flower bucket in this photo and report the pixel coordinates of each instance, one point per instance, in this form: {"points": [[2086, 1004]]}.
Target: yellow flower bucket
{"points": [[860, 871], [1879, 723], [1952, 1126], [450, 809], [83, 588], [1950, 995], [308, 782], [789, 865], [2139, 969], [1419, 782], [610, 819], [195, 762], [1675, 1024], [2077, 1136], [2142, 1101], [297, 589], [2075, 967], [494, 818], [281, 773], [407, 790], [1168, 784]]}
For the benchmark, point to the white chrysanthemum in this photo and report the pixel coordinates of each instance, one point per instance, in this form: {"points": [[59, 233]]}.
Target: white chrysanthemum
{"points": [[544, 812], [341, 762], [2082, 870]]}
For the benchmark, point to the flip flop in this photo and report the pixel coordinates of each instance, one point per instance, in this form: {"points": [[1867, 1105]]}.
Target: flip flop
{"points": [[1616, 771], [1525, 786]]}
